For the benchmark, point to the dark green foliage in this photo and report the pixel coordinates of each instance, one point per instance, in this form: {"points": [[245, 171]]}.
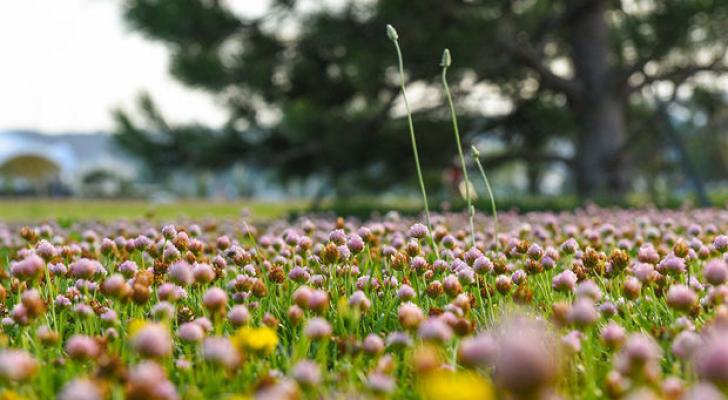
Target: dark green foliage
{"points": [[166, 147], [328, 76]]}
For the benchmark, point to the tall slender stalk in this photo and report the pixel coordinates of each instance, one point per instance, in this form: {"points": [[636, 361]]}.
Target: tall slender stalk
{"points": [[392, 34], [476, 157], [445, 63]]}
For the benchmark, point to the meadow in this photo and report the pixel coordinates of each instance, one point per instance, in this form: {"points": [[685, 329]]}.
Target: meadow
{"points": [[195, 300], [587, 304], [68, 210]]}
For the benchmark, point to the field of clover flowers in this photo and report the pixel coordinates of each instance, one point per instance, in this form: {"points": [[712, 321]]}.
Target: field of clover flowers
{"points": [[585, 305], [590, 304]]}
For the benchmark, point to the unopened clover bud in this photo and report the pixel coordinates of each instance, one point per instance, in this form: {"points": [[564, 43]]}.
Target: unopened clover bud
{"points": [[17, 365], [392, 33], [153, 341], [80, 388], [215, 299], [476, 152], [686, 344], [82, 347], [446, 59], [721, 243], [612, 335], [681, 297], [307, 373], [373, 344], [317, 328], [715, 272]]}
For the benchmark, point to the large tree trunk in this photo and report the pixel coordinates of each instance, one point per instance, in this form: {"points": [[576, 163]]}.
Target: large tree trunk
{"points": [[533, 172], [597, 106]]}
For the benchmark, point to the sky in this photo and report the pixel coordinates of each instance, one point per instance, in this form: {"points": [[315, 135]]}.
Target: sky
{"points": [[65, 64]]}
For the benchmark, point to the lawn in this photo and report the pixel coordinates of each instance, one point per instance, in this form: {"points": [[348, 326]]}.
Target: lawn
{"points": [[32, 210], [592, 304]]}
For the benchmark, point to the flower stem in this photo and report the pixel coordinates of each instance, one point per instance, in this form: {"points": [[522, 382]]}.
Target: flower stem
{"points": [[490, 193], [446, 60], [393, 37]]}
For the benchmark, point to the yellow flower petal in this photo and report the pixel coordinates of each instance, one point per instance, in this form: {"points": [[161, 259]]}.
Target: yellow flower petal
{"points": [[459, 385], [136, 325], [261, 339]]}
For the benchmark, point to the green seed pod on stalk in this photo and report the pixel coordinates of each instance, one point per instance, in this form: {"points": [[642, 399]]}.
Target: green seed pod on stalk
{"points": [[392, 34], [445, 63]]}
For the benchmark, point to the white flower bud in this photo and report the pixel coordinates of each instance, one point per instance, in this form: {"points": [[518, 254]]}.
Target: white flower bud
{"points": [[446, 59], [392, 33]]}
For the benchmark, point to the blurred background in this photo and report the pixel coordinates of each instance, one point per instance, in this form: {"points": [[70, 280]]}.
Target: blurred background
{"points": [[619, 102]]}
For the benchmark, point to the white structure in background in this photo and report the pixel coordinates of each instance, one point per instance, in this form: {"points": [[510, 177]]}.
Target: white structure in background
{"points": [[93, 165], [70, 163]]}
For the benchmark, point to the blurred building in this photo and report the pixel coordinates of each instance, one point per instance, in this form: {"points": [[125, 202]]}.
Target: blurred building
{"points": [[94, 165], [32, 163]]}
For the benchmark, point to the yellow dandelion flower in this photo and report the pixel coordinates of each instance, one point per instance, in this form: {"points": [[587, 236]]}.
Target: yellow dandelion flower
{"points": [[237, 397], [11, 395], [263, 339], [342, 306], [135, 325], [239, 338], [461, 385]]}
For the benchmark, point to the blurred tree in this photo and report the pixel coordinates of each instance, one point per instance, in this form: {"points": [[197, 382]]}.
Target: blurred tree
{"points": [[167, 148], [312, 88]]}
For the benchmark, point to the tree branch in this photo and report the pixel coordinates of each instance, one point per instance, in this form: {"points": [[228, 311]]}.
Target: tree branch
{"points": [[682, 73], [295, 153], [555, 21], [528, 156], [527, 56], [486, 124], [652, 120], [372, 123]]}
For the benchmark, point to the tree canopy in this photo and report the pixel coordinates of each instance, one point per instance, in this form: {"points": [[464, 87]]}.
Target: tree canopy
{"points": [[312, 90]]}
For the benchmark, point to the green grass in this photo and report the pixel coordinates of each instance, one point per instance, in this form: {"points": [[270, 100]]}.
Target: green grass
{"points": [[39, 209], [34, 210]]}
